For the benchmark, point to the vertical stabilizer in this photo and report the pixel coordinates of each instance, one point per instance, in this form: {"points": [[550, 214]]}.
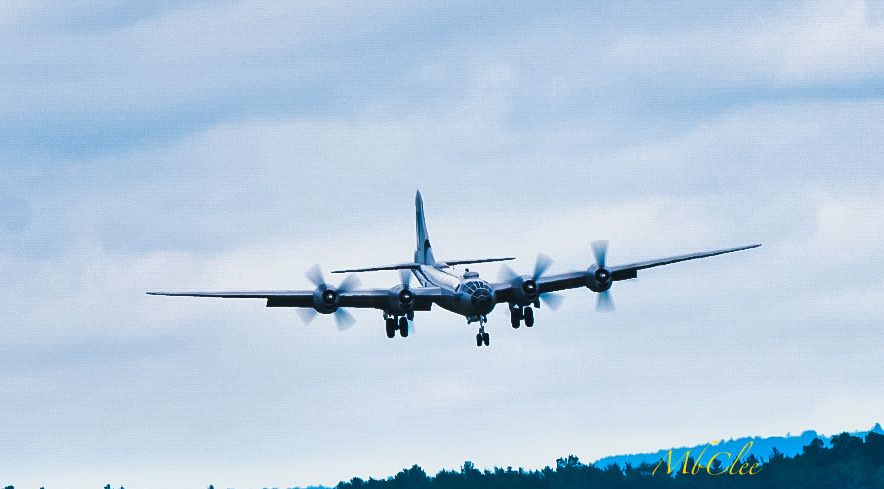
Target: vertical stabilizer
{"points": [[423, 253]]}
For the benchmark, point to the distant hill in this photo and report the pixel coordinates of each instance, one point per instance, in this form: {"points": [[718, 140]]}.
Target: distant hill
{"points": [[761, 448]]}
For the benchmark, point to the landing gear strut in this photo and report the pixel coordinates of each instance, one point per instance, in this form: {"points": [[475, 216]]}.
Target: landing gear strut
{"points": [[482, 338]]}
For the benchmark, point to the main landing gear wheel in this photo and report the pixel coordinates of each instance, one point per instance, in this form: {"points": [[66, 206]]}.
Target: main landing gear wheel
{"points": [[529, 317], [403, 326], [486, 338], [391, 327], [515, 317], [479, 339]]}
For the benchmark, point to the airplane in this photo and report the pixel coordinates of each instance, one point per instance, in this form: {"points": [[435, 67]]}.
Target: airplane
{"points": [[462, 292]]}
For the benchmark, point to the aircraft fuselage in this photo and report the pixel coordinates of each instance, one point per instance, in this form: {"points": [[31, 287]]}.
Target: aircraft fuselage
{"points": [[463, 292]]}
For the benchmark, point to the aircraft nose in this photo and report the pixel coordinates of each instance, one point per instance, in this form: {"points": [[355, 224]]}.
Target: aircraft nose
{"points": [[482, 301]]}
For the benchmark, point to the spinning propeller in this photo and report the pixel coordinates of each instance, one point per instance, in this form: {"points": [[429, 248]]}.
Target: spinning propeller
{"points": [[604, 303], [527, 286], [326, 298], [406, 296], [405, 277]]}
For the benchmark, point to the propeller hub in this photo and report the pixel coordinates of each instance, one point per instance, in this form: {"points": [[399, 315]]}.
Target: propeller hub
{"points": [[598, 279], [524, 287], [329, 297], [406, 297], [529, 287], [602, 275]]}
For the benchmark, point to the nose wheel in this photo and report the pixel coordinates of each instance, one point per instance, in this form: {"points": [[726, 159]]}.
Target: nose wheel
{"points": [[482, 338]]}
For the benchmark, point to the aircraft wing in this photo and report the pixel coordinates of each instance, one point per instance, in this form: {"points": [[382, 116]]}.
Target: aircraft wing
{"points": [[365, 298], [576, 279], [624, 272]]}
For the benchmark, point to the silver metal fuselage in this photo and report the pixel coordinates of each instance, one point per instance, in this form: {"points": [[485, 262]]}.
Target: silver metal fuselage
{"points": [[463, 292]]}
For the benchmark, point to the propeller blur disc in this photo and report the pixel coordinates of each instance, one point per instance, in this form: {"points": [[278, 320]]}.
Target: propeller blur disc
{"points": [[541, 265], [506, 273], [600, 249], [405, 276], [552, 300], [605, 303], [314, 275], [307, 314], [349, 283], [344, 319]]}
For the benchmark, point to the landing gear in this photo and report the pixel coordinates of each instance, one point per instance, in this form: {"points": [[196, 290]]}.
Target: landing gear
{"points": [[482, 338], [397, 323], [529, 317], [391, 327], [519, 313], [403, 326]]}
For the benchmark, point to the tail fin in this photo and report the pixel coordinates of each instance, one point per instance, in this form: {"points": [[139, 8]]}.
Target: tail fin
{"points": [[423, 254]]}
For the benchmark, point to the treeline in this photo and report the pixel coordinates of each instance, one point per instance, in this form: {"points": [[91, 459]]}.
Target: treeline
{"points": [[849, 463]]}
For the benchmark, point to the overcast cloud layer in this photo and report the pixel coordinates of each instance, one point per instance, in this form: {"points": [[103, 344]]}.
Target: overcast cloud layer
{"points": [[234, 144]]}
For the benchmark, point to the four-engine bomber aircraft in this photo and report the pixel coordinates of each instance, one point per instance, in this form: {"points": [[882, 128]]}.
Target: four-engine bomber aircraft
{"points": [[461, 292]]}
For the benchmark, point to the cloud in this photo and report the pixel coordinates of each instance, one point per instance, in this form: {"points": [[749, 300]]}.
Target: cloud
{"points": [[81, 83], [819, 43], [76, 82]]}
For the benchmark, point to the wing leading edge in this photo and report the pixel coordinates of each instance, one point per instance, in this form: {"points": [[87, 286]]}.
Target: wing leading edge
{"points": [[577, 279], [626, 269], [366, 298]]}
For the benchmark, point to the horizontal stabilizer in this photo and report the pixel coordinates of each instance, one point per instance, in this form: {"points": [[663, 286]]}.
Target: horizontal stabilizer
{"points": [[478, 260], [412, 266], [399, 266]]}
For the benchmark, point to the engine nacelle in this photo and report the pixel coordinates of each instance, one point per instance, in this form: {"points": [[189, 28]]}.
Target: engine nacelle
{"points": [[525, 290], [326, 300], [401, 300], [598, 279]]}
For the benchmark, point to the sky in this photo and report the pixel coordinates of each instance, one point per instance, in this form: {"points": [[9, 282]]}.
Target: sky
{"points": [[219, 145]]}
